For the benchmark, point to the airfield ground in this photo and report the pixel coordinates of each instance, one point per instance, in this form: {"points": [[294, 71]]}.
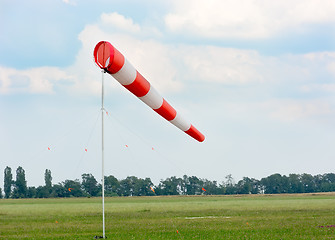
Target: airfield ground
{"points": [[296, 216]]}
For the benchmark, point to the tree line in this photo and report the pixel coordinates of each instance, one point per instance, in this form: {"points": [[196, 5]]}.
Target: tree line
{"points": [[88, 186]]}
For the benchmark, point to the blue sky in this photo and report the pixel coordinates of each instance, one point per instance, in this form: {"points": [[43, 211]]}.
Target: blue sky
{"points": [[256, 77]]}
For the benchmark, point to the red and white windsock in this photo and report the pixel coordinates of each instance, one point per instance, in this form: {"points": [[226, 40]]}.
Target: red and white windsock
{"points": [[113, 62]]}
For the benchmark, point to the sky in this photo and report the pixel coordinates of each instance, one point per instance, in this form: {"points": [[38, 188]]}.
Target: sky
{"points": [[257, 78]]}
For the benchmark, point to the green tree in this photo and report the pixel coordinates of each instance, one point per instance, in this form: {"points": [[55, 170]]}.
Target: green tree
{"points": [[148, 187], [133, 186], [90, 184], [329, 177], [42, 192], [211, 187], [125, 187], [129, 186], [295, 184], [112, 186], [169, 186], [230, 187], [183, 183], [308, 183], [1, 193], [193, 185], [248, 186], [31, 192], [48, 181], [73, 188], [142, 187], [275, 183], [256, 186], [58, 190], [8, 182], [20, 186], [328, 182]]}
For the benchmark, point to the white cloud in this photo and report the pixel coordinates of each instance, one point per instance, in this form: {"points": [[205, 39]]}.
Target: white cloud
{"points": [[321, 66], [324, 59], [276, 110], [247, 19], [221, 65], [167, 66], [172, 67], [120, 22], [35, 80], [331, 68], [70, 2], [320, 56], [297, 110], [319, 87], [5, 81]]}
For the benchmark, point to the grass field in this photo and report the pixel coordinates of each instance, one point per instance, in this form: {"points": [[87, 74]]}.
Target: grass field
{"points": [[305, 216]]}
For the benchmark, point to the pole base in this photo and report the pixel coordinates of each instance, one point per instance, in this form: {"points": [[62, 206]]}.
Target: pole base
{"points": [[98, 237]]}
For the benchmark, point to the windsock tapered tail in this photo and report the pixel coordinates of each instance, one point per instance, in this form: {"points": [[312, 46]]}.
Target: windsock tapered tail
{"points": [[113, 62]]}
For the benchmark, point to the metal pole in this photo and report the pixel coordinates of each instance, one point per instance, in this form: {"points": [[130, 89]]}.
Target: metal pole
{"points": [[102, 157]]}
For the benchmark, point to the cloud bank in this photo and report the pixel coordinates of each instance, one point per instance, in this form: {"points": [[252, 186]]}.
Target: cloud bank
{"points": [[172, 67], [248, 19]]}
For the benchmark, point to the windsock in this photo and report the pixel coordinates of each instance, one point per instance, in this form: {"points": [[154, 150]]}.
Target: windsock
{"points": [[113, 62]]}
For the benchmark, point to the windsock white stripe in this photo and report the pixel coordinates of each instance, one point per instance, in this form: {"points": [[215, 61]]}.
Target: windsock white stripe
{"points": [[107, 61], [127, 74], [153, 99], [181, 123]]}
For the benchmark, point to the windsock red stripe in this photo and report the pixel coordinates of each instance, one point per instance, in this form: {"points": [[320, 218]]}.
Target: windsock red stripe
{"points": [[140, 87], [112, 61], [193, 132], [166, 111], [116, 61]]}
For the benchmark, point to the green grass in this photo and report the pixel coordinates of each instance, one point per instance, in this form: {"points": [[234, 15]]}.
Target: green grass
{"points": [[195, 217]]}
